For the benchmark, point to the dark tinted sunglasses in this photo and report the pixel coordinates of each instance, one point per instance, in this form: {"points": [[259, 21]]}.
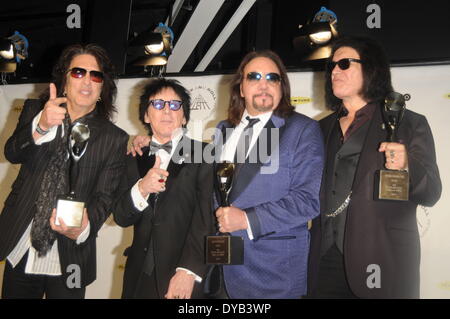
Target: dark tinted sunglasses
{"points": [[78, 73], [270, 77], [174, 105], [343, 64]]}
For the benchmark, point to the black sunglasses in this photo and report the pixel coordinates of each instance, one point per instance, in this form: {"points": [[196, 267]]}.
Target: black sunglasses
{"points": [[78, 73], [343, 64], [270, 77], [174, 105]]}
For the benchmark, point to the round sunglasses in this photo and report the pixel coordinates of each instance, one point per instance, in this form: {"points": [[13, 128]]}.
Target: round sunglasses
{"points": [[270, 77], [78, 73], [174, 105], [343, 64]]}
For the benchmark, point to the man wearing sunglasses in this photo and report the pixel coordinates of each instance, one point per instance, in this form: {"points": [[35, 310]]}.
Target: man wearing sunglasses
{"points": [[43, 258], [361, 247], [270, 208], [165, 196]]}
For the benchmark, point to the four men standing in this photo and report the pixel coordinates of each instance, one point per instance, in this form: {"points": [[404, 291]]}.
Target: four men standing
{"points": [[169, 199]]}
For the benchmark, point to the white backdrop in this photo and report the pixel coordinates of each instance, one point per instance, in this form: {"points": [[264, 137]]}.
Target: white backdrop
{"points": [[429, 87]]}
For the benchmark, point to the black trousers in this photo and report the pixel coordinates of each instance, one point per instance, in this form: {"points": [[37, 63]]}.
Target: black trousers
{"points": [[332, 283], [147, 287], [19, 285]]}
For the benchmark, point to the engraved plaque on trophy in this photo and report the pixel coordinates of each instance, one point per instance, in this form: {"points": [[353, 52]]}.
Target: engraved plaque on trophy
{"points": [[68, 206], [222, 248], [392, 184]]}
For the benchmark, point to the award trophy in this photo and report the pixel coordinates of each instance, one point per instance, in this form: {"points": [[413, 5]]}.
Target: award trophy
{"points": [[392, 184], [224, 249], [68, 207]]}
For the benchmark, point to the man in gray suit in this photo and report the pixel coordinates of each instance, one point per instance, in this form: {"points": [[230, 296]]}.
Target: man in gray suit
{"points": [[45, 257]]}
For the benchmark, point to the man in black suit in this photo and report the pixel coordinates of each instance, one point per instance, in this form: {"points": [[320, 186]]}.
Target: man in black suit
{"points": [[361, 247], [45, 257], [166, 195]]}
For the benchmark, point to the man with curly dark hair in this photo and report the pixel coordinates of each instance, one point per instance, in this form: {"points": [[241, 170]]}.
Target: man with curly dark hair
{"points": [[45, 256]]}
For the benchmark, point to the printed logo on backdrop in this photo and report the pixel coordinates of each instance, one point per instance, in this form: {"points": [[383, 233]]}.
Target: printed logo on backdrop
{"points": [[423, 220], [297, 100], [447, 96], [203, 102]]}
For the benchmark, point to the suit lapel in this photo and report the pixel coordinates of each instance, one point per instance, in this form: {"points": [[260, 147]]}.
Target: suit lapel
{"points": [[174, 168], [370, 153], [246, 172], [144, 162]]}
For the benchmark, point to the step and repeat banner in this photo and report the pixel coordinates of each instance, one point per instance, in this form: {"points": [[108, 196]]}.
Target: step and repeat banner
{"points": [[428, 87]]}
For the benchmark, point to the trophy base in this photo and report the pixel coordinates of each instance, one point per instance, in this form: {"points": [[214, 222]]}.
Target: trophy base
{"points": [[70, 210], [391, 185], [224, 250]]}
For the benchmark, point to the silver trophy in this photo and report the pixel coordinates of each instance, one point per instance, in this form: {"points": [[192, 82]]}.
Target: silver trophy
{"points": [[68, 206]]}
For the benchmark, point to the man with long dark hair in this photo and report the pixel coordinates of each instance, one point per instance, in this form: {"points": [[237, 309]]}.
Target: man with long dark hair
{"points": [[45, 257], [362, 247], [276, 184]]}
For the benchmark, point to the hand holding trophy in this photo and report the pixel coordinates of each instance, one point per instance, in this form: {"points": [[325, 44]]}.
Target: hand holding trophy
{"points": [[68, 207], [392, 184], [222, 248]]}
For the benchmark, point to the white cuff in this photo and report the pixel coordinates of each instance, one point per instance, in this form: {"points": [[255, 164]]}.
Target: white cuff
{"points": [[138, 200], [84, 235], [249, 229], [197, 278], [44, 138]]}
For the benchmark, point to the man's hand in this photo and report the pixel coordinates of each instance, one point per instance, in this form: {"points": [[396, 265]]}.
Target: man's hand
{"points": [[138, 143], [180, 286], [70, 232], [52, 114], [396, 155], [231, 219], [154, 181]]}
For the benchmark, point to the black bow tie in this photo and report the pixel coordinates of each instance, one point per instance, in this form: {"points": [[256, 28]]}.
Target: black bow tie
{"points": [[155, 147]]}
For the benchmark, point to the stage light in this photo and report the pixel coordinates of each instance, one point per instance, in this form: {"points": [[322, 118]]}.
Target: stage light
{"points": [[157, 46], [13, 50], [312, 40]]}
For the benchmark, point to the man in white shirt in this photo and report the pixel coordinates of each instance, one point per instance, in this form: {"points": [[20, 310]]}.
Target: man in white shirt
{"points": [[275, 189], [166, 198]]}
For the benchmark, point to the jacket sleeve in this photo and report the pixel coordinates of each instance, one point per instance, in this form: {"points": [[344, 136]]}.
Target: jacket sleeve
{"points": [[124, 212], [20, 147], [425, 183], [193, 257], [301, 203]]}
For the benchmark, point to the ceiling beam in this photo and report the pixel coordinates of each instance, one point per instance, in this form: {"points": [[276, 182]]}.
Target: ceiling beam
{"points": [[225, 34], [198, 23]]}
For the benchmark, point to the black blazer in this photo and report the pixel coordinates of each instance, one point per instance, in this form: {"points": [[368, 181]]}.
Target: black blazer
{"points": [[99, 176], [177, 226], [384, 233]]}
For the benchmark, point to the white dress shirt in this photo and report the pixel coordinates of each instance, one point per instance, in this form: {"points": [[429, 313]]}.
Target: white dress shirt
{"points": [[229, 149]]}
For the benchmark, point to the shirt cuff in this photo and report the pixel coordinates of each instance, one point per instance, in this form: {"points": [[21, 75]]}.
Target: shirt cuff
{"points": [[84, 235], [249, 228], [197, 278], [44, 138], [139, 201]]}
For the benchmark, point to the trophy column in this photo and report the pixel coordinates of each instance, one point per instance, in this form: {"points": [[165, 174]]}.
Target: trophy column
{"points": [[68, 207], [222, 248]]}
